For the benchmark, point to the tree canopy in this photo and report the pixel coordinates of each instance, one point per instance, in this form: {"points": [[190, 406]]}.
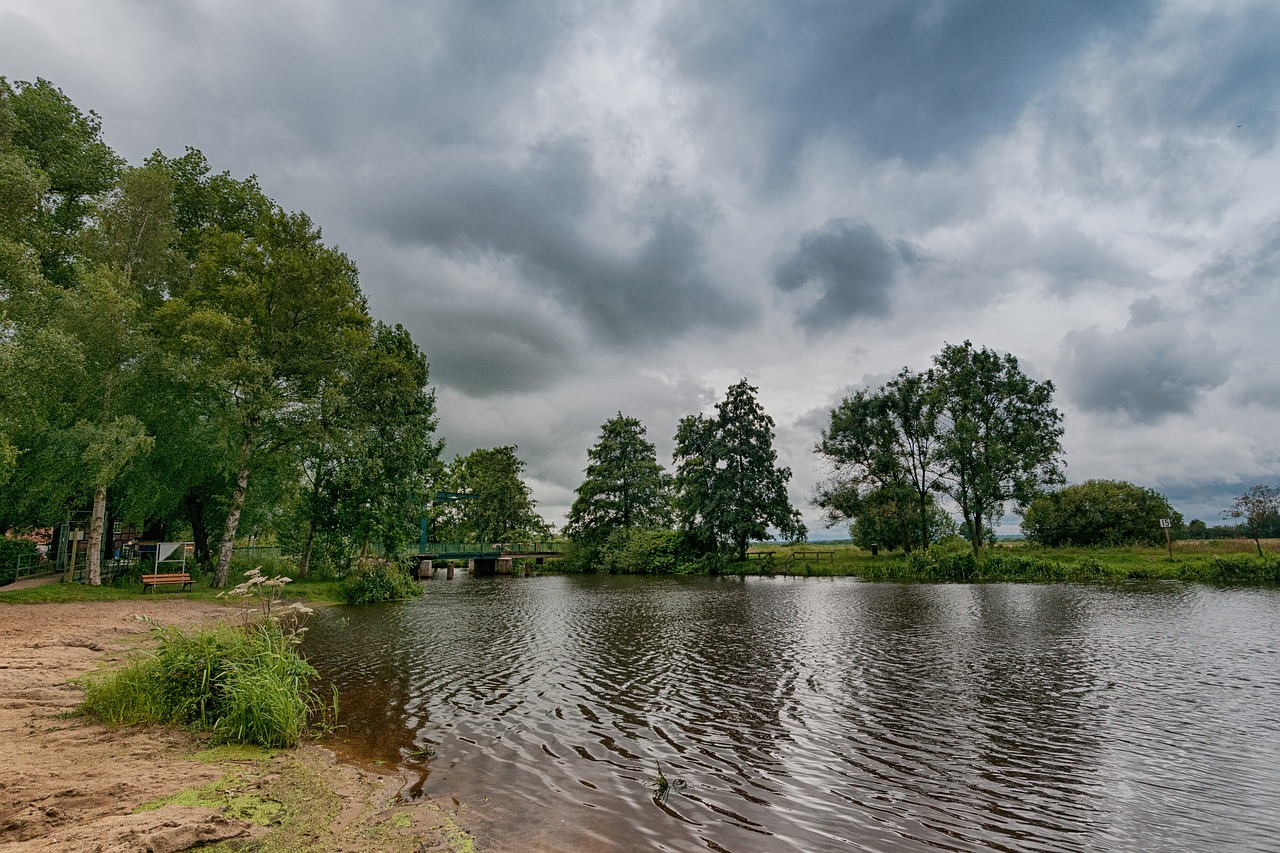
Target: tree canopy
{"points": [[1099, 512], [178, 350], [729, 490], [1259, 509], [624, 488]]}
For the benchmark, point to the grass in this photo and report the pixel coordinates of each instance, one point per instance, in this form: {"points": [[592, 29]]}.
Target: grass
{"points": [[245, 685], [1208, 561], [315, 591]]}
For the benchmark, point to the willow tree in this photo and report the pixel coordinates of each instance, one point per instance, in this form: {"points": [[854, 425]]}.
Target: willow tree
{"points": [[263, 316]]}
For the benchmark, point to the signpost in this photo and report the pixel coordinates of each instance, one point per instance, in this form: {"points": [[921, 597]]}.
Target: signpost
{"points": [[1168, 540]]}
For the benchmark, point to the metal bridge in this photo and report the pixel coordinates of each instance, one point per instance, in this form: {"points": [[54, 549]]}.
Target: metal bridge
{"points": [[485, 551]]}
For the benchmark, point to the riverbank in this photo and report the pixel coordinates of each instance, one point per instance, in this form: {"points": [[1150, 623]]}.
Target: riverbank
{"points": [[73, 785]]}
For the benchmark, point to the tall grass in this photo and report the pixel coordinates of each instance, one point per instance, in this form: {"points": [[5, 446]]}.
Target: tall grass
{"points": [[245, 685]]}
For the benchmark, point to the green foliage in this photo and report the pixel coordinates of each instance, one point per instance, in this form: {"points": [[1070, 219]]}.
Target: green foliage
{"points": [[973, 427], [373, 582], [10, 552], [1000, 437], [646, 551], [624, 488], [883, 449], [1259, 507], [1099, 512], [890, 517], [729, 489], [246, 686], [499, 507]]}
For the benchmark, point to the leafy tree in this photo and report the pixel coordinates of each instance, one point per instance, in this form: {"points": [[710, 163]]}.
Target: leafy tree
{"points": [[884, 444], [1259, 506], [729, 490], [1099, 512], [999, 435], [890, 516], [501, 508], [65, 146], [625, 488], [264, 316]]}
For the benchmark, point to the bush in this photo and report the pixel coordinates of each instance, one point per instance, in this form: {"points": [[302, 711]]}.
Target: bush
{"points": [[370, 583], [642, 552], [245, 685], [1099, 512], [1242, 568], [10, 551]]}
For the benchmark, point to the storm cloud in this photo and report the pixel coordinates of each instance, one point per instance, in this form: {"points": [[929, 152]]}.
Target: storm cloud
{"points": [[579, 209], [851, 267], [1149, 370]]}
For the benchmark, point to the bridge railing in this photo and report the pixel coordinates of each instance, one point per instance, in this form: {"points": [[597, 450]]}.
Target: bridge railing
{"points": [[493, 549]]}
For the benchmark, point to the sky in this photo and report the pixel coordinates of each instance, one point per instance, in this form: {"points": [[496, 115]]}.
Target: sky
{"points": [[585, 208]]}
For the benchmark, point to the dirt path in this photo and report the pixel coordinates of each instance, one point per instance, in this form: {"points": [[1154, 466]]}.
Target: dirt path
{"points": [[70, 785]]}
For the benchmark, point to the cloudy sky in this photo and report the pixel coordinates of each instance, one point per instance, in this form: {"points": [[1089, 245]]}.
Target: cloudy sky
{"points": [[580, 208]]}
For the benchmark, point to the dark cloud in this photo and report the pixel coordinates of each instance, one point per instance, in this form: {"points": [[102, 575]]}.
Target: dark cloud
{"points": [[1243, 272], [645, 287], [1147, 371], [906, 80], [850, 265]]}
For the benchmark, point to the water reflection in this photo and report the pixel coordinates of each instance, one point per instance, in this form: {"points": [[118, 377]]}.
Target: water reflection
{"points": [[808, 714]]}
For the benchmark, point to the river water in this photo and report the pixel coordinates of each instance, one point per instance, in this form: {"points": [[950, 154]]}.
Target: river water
{"points": [[805, 714]]}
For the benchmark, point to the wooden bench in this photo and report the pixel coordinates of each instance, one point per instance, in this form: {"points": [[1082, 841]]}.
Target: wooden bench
{"points": [[177, 578]]}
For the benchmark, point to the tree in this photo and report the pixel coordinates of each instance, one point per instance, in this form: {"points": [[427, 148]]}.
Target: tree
{"points": [[890, 516], [1259, 506], [1099, 512], [729, 490], [884, 443], [65, 146], [625, 488], [999, 435], [500, 507]]}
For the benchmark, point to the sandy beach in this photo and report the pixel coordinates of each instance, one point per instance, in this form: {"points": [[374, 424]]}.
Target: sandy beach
{"points": [[70, 784]]}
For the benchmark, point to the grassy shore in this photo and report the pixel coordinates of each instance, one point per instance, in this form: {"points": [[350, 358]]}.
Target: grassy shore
{"points": [[1208, 561]]}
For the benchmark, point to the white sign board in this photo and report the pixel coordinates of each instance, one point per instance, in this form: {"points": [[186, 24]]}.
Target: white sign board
{"points": [[1164, 522]]}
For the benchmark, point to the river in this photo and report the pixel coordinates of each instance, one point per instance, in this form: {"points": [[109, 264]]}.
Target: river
{"points": [[805, 714]]}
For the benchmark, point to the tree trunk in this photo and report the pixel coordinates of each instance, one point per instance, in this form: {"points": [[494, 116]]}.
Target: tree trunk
{"points": [[233, 519], [304, 562], [199, 532], [93, 557]]}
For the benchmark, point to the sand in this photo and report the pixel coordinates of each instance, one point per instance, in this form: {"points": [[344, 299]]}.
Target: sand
{"points": [[68, 784]]}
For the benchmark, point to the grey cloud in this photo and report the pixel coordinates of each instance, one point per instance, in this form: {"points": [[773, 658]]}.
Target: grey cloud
{"points": [[901, 80], [852, 267], [1147, 371], [642, 289], [1243, 272]]}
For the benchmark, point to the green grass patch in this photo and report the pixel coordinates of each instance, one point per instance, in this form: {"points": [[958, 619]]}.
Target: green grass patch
{"points": [[1213, 562], [315, 591], [245, 685], [235, 795]]}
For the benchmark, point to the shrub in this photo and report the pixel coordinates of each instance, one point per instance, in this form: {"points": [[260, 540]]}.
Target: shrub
{"points": [[10, 551], [247, 685], [371, 582]]}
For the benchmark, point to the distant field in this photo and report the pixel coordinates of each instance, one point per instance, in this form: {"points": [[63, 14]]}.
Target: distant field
{"points": [[1210, 560]]}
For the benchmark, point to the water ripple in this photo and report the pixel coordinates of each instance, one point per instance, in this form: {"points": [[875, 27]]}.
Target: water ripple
{"points": [[822, 715]]}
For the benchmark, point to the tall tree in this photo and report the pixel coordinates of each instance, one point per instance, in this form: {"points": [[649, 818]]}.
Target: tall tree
{"points": [[264, 315], [500, 507], [1259, 506], [66, 147], [729, 489], [625, 488], [883, 443], [1000, 437]]}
